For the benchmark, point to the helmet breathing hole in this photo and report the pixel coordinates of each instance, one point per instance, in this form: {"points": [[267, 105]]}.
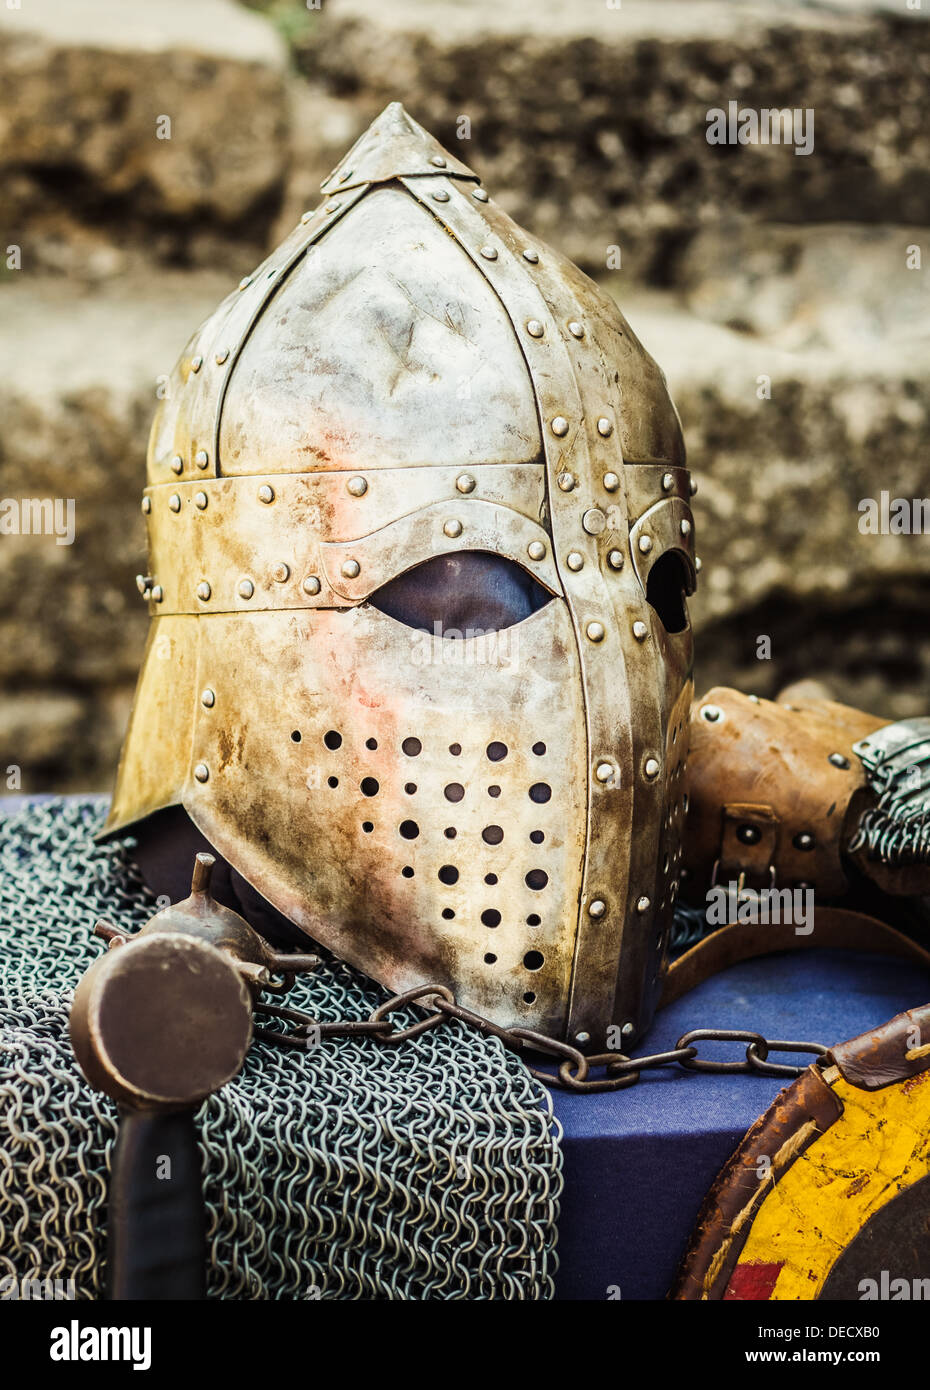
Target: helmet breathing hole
{"points": [[491, 917], [371, 743], [455, 749], [410, 788], [537, 879], [454, 791], [490, 879], [407, 871], [370, 786], [490, 958], [492, 834], [533, 920], [409, 829], [540, 792], [367, 826], [332, 781], [494, 791], [412, 747], [537, 836], [539, 749], [450, 832], [534, 960], [332, 740], [448, 913], [496, 752], [529, 997], [296, 735], [448, 874]]}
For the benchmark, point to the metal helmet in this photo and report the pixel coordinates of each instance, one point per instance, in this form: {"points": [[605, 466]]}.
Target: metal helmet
{"points": [[408, 387]]}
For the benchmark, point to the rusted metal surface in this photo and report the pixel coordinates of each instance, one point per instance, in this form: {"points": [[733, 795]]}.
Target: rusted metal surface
{"points": [[164, 1018], [409, 376]]}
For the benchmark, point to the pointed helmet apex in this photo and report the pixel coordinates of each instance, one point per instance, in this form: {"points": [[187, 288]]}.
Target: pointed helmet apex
{"points": [[394, 146]]}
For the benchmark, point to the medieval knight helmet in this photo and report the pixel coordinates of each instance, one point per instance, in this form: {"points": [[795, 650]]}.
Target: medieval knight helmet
{"points": [[419, 665]]}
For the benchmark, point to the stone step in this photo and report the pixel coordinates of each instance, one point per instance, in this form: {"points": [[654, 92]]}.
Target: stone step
{"points": [[589, 122], [781, 479], [125, 123]]}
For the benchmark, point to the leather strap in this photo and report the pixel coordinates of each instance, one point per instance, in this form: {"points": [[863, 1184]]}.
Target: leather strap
{"points": [[833, 927]]}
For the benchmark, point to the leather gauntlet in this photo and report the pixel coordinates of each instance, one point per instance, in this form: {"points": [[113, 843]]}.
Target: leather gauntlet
{"points": [[774, 792]]}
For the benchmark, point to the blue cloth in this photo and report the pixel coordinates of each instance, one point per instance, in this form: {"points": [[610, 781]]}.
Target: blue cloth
{"points": [[639, 1162]]}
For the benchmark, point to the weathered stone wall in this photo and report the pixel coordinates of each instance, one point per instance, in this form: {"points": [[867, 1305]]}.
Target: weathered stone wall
{"points": [[779, 292]]}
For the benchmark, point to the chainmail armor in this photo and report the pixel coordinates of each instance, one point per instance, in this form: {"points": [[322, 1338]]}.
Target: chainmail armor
{"points": [[429, 1170]]}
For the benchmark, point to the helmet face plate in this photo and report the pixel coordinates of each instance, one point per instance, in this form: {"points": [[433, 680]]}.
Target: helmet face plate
{"points": [[411, 378]]}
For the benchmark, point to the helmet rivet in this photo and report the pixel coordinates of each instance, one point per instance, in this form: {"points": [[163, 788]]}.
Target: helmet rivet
{"points": [[566, 481], [597, 908], [489, 253], [748, 834], [452, 529], [266, 493], [651, 769], [575, 560], [615, 559], [685, 527], [643, 904], [438, 160], [698, 566], [246, 588], [595, 632], [441, 196], [479, 194], [605, 427], [245, 282], [536, 550], [208, 698], [465, 482], [559, 426], [345, 175], [281, 573], [531, 256], [177, 464], [582, 1039], [196, 363], [668, 482], [603, 772], [712, 714], [351, 569], [692, 486], [640, 630], [158, 594], [221, 357], [202, 772], [174, 502], [594, 521], [200, 500], [357, 487], [203, 590], [306, 217], [146, 505], [334, 206], [576, 329], [645, 544], [804, 840], [611, 482], [838, 760], [201, 458], [311, 584], [534, 328]]}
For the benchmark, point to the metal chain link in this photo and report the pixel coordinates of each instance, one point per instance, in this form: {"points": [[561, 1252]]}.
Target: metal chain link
{"points": [[574, 1070]]}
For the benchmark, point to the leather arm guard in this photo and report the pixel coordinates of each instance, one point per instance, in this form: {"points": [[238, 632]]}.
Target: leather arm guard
{"points": [[778, 794]]}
